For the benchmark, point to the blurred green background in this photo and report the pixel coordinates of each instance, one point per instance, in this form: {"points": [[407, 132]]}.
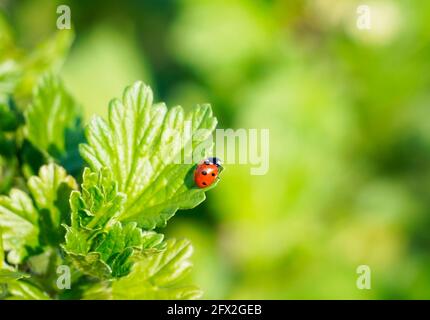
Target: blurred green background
{"points": [[348, 112]]}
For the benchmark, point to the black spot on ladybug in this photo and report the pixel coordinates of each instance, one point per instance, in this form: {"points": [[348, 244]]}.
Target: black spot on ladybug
{"points": [[204, 183], [204, 173], [213, 174]]}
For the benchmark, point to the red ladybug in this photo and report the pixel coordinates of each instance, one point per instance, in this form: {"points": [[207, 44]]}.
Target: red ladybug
{"points": [[207, 172]]}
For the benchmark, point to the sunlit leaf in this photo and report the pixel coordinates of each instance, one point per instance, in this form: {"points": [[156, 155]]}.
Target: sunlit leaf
{"points": [[51, 190], [97, 244], [141, 143], [51, 118], [18, 221], [156, 277]]}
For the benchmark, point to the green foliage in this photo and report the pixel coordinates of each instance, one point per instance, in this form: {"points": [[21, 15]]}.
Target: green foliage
{"points": [[102, 229], [18, 220], [10, 118], [12, 284], [51, 190], [97, 244], [28, 222], [51, 113], [20, 70], [348, 116], [157, 277], [140, 143]]}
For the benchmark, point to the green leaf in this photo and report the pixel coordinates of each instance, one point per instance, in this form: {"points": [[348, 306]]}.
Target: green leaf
{"points": [[21, 290], [1, 249], [52, 119], [98, 202], [8, 170], [89, 263], [9, 279], [141, 143], [106, 254], [48, 56], [7, 276], [18, 221], [152, 242], [97, 244], [51, 190], [26, 224], [159, 276], [10, 117], [20, 71], [9, 76]]}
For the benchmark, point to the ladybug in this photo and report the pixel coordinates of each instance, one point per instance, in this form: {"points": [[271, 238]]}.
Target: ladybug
{"points": [[207, 172]]}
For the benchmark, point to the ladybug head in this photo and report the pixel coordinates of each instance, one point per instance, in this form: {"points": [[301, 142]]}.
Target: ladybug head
{"points": [[213, 160]]}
